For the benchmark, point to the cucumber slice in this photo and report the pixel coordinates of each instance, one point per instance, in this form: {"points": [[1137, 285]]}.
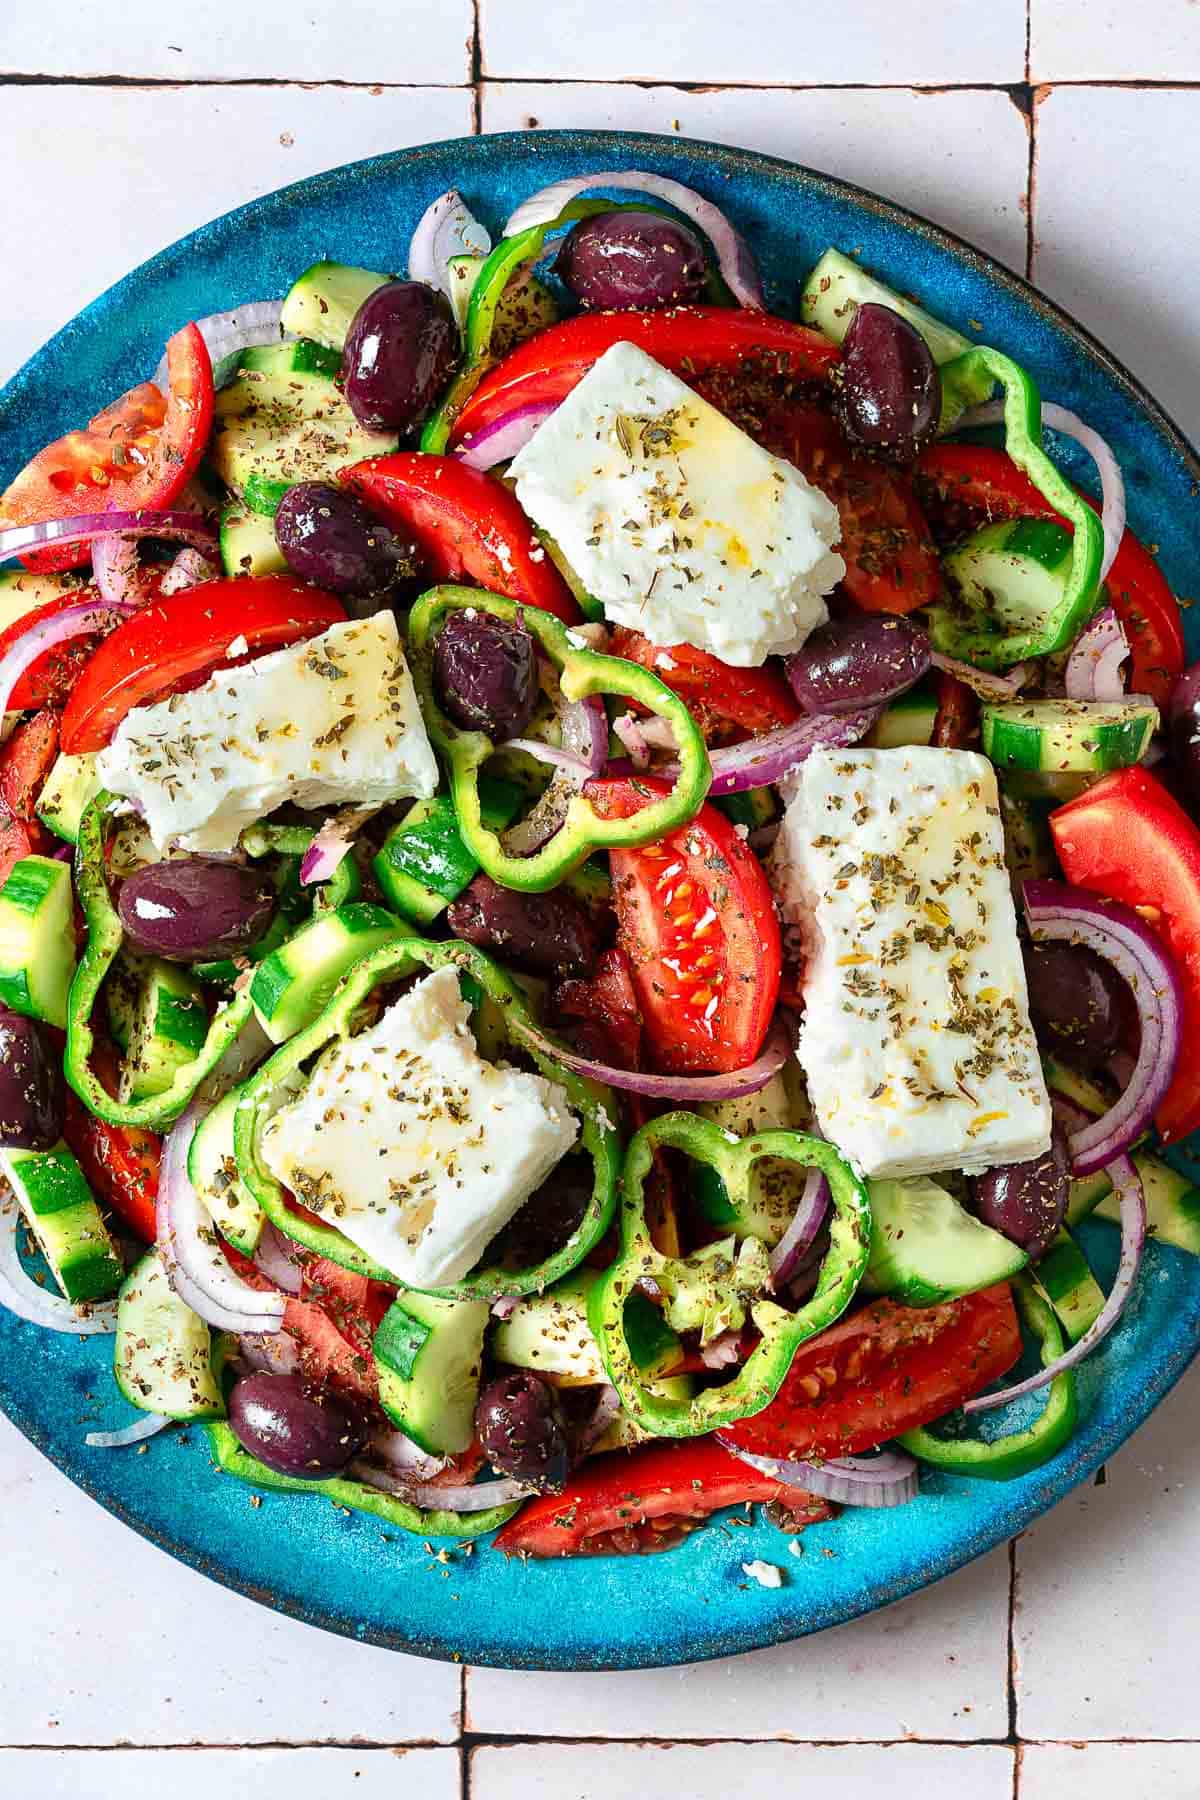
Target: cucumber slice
{"points": [[323, 302], [589, 606], [1012, 574], [909, 719], [213, 1169], [271, 431], [1079, 1088], [37, 939], [424, 863], [753, 808], [1068, 736], [1070, 1286], [59, 1209], [294, 983], [22, 592], [248, 545], [305, 357], [926, 1248], [165, 1025], [775, 1185], [429, 1354], [550, 1334], [262, 494], [163, 1355], [1172, 1204], [71, 784], [1028, 846]]}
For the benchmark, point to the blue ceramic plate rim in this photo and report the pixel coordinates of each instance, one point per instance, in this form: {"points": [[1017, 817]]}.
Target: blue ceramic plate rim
{"points": [[513, 1613]]}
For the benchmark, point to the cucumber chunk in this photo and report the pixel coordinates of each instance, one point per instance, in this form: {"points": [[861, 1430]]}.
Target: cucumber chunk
{"points": [[1070, 1286], [424, 864], [1012, 574], [272, 430], [163, 1355], [550, 1334], [753, 808], [248, 545], [429, 1354], [22, 592], [305, 357], [165, 1026], [1172, 1204], [909, 719], [71, 784], [1068, 736], [213, 1168], [926, 1248], [323, 302], [293, 984], [59, 1209], [37, 939]]}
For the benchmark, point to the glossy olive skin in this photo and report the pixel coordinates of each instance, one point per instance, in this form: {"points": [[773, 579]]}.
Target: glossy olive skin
{"points": [[278, 1420], [401, 350], [888, 392], [331, 539], [32, 1093], [622, 260], [193, 909], [543, 934], [1081, 1009], [1027, 1202], [859, 659], [1183, 730], [485, 673], [523, 1431]]}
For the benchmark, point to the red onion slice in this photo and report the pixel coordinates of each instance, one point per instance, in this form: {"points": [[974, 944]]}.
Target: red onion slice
{"points": [[608, 1405], [332, 844], [1132, 1200], [276, 1257], [182, 527], [762, 761], [228, 333], [478, 1496], [273, 1353], [1093, 670], [21, 1294], [732, 1086], [573, 767], [500, 441], [406, 1459], [734, 258], [723, 1351], [190, 1248], [446, 228], [61, 628], [114, 569], [584, 726], [889, 1479], [806, 1221], [988, 687], [633, 737], [189, 569], [1071, 915], [148, 1426]]}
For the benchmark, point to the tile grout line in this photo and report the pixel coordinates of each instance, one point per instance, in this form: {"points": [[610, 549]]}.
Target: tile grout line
{"points": [[476, 68], [29, 78], [483, 1740]]}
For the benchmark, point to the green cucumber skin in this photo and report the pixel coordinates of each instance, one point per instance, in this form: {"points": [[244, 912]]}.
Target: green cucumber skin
{"points": [[424, 864], [322, 302], [1070, 1286], [1067, 736], [289, 990], [162, 1358], [429, 1357], [58, 1207], [248, 544], [37, 939]]}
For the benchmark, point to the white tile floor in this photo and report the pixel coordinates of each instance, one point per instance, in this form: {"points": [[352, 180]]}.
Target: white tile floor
{"points": [[122, 1673]]}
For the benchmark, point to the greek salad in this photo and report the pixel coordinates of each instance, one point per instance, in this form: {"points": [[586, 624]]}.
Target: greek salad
{"points": [[593, 881]]}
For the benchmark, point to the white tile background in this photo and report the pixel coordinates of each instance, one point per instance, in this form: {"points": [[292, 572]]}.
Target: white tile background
{"points": [[1061, 1669]]}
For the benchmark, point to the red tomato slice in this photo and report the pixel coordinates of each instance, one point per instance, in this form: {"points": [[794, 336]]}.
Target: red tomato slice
{"points": [[607, 1001], [1127, 839], [882, 1371], [120, 1162], [187, 636], [354, 1303], [18, 838], [697, 921], [25, 761], [139, 452], [718, 697], [891, 561], [467, 526], [956, 721], [636, 1501], [963, 481]]}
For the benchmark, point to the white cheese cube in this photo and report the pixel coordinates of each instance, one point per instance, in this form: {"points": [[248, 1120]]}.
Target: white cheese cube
{"points": [[328, 722], [916, 1042], [412, 1145], [684, 527]]}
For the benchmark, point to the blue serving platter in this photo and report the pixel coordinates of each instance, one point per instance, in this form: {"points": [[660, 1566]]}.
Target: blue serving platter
{"points": [[349, 1573]]}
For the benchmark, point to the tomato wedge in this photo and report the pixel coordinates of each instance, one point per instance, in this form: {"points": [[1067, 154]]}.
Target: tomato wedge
{"points": [[965, 480], [139, 452], [1126, 838], [891, 561], [354, 1303], [183, 639], [690, 340], [20, 838], [749, 701], [25, 761], [119, 1161], [637, 1501], [696, 919], [883, 1370], [467, 526]]}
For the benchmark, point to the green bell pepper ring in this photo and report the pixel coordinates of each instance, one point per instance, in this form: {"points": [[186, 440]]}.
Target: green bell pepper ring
{"points": [[275, 1083], [983, 643], [104, 939], [580, 673], [1004, 1458], [715, 1290]]}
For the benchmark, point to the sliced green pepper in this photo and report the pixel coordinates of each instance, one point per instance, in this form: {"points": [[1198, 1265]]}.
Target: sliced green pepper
{"points": [[946, 1444], [977, 640], [581, 672], [275, 1082], [104, 939], [714, 1289]]}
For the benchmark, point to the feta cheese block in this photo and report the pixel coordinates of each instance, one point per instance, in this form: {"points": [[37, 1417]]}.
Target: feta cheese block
{"points": [[916, 1041], [684, 527], [414, 1146], [328, 722]]}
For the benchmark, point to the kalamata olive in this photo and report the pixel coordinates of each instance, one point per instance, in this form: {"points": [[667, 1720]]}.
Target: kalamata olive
{"points": [[544, 934], [1027, 1201], [888, 393], [330, 538], [291, 1429], [1080, 1007], [193, 909], [32, 1095], [401, 350], [859, 659], [619, 260], [552, 1214], [1183, 730], [486, 673], [523, 1431]]}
